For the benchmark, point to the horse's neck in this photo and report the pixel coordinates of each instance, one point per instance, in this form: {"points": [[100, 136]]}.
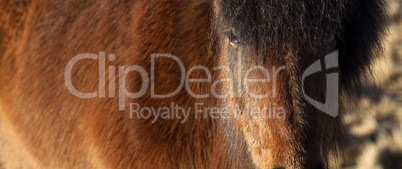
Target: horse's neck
{"points": [[181, 29]]}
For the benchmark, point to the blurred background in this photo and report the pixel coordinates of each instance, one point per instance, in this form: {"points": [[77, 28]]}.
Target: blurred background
{"points": [[372, 137]]}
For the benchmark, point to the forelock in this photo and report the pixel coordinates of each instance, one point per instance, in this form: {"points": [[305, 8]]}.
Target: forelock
{"points": [[290, 24]]}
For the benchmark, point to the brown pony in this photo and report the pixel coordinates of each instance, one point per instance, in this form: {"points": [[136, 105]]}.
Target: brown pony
{"points": [[227, 75]]}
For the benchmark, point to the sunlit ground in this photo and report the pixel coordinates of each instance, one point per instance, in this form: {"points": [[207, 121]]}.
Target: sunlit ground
{"points": [[373, 133]]}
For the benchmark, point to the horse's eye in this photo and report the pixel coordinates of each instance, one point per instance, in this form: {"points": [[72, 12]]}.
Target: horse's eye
{"points": [[234, 40]]}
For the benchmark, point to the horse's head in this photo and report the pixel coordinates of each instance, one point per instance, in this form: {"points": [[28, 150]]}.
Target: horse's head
{"points": [[283, 75]]}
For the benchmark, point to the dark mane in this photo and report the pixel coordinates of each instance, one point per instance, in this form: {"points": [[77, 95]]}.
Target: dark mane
{"points": [[292, 26], [295, 23]]}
